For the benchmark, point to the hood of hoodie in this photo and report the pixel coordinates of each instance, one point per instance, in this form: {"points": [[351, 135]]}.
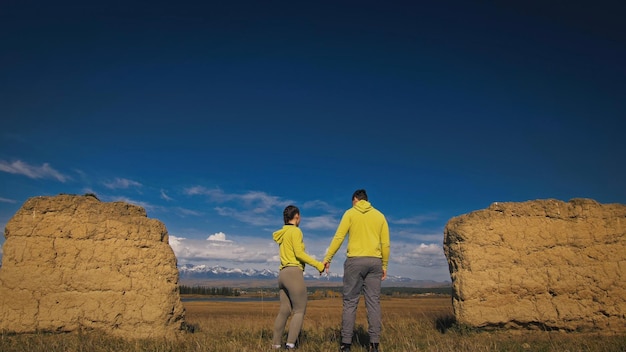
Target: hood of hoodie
{"points": [[278, 236], [363, 206]]}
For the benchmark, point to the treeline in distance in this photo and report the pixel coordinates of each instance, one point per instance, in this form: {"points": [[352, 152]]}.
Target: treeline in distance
{"points": [[209, 291]]}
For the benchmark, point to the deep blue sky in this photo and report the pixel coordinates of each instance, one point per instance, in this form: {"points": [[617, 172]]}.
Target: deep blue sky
{"points": [[214, 116]]}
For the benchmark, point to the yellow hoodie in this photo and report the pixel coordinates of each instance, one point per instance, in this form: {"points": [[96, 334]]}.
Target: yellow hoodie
{"points": [[291, 248], [368, 233]]}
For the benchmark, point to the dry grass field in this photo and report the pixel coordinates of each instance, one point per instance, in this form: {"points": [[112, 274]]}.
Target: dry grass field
{"points": [[410, 324]]}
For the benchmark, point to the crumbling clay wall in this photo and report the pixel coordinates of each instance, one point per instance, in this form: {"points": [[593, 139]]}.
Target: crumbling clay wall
{"points": [[74, 262], [543, 264]]}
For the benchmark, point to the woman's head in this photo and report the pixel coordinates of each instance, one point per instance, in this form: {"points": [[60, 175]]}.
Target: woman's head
{"points": [[290, 213]]}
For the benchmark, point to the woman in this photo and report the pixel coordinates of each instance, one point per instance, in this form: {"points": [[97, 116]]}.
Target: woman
{"points": [[293, 293]]}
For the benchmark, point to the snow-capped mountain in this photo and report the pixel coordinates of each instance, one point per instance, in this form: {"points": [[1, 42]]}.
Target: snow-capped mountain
{"points": [[200, 272], [190, 271]]}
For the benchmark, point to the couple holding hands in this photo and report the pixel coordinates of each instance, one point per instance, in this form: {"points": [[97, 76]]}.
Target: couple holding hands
{"points": [[364, 269]]}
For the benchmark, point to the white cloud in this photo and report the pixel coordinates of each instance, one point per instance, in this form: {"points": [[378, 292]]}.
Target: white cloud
{"points": [[250, 251], [176, 242], [6, 200], [121, 183], [424, 255], [427, 250], [218, 237], [274, 259], [21, 168]]}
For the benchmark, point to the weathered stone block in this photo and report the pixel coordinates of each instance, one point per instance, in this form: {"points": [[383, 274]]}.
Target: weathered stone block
{"points": [[74, 262], [540, 264]]}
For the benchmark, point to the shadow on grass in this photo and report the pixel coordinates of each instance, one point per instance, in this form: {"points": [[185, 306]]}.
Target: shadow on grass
{"points": [[360, 337], [190, 328], [445, 323]]}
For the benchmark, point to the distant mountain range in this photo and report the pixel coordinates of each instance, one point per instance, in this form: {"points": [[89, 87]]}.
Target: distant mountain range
{"points": [[198, 273]]}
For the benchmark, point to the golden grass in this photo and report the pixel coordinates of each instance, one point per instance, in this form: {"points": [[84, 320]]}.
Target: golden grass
{"points": [[410, 324]]}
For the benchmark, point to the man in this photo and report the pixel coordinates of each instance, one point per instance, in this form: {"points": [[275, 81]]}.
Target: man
{"points": [[365, 266]]}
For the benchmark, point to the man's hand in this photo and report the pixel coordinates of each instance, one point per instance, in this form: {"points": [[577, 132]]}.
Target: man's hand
{"points": [[326, 267], [384, 275]]}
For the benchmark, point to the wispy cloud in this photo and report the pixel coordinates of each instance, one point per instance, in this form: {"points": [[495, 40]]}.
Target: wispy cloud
{"points": [[321, 205], [21, 168], [410, 235], [324, 222], [414, 220], [165, 196], [214, 195], [6, 200], [251, 207], [186, 212], [259, 201], [121, 183], [247, 216]]}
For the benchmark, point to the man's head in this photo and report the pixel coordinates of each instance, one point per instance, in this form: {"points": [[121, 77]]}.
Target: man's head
{"points": [[291, 215], [358, 195]]}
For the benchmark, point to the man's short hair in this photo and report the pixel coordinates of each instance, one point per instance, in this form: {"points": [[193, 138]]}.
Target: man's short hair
{"points": [[289, 213], [359, 194]]}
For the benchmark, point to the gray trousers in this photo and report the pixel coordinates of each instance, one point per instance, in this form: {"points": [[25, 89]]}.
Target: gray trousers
{"points": [[362, 274], [293, 299]]}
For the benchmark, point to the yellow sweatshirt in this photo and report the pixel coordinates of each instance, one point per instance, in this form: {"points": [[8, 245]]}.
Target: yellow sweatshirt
{"points": [[291, 248], [368, 233]]}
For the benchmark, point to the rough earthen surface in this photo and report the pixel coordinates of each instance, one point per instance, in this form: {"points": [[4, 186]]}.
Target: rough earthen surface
{"points": [[74, 262], [543, 264]]}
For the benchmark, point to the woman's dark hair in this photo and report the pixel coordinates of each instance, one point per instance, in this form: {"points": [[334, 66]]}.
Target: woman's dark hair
{"points": [[289, 213], [359, 194]]}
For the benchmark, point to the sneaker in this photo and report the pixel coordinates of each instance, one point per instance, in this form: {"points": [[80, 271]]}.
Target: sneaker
{"points": [[345, 347], [287, 347], [276, 347], [373, 347]]}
